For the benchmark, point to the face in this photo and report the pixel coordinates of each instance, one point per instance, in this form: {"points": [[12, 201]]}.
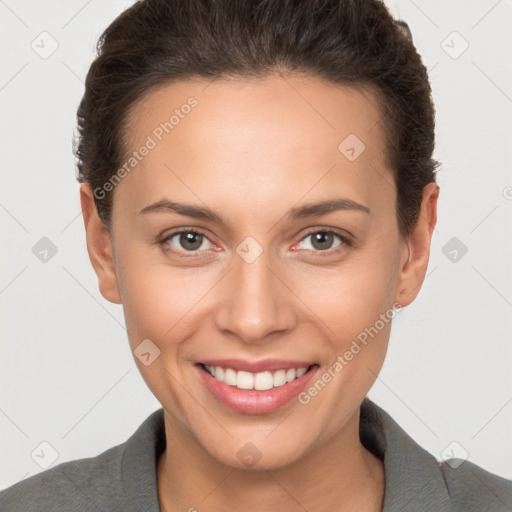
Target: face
{"points": [[257, 237]]}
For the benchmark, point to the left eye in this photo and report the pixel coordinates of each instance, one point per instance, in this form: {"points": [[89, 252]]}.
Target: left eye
{"points": [[323, 240]]}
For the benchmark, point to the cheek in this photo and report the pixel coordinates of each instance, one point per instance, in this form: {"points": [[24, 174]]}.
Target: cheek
{"points": [[353, 295], [159, 299]]}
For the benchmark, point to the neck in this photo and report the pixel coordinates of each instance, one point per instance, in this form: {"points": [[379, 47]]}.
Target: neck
{"points": [[338, 475]]}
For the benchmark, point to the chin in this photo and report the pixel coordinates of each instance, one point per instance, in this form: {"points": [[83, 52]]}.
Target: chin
{"points": [[249, 457]]}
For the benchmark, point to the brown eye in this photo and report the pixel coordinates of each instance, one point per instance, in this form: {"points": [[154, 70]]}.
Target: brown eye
{"points": [[324, 242], [191, 241], [187, 241], [321, 240]]}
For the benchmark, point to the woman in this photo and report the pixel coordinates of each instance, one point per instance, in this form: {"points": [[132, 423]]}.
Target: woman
{"points": [[290, 144]]}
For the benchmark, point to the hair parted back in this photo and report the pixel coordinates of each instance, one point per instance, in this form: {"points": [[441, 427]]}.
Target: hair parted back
{"points": [[348, 42]]}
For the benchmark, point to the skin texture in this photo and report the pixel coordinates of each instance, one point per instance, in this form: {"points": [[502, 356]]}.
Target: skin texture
{"points": [[251, 151]]}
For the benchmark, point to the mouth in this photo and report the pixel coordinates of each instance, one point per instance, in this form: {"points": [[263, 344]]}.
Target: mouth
{"points": [[255, 388]]}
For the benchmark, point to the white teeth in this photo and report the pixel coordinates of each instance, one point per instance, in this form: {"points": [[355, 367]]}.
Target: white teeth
{"points": [[279, 378], [229, 376], [263, 381], [290, 374], [301, 372], [244, 380], [259, 381]]}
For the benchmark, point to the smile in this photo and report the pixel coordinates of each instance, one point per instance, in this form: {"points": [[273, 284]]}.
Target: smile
{"points": [[259, 381], [255, 387]]}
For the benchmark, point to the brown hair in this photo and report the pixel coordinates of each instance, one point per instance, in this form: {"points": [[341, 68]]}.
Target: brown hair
{"points": [[350, 42]]}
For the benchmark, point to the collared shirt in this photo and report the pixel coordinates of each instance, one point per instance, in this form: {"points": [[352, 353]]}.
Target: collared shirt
{"points": [[123, 478]]}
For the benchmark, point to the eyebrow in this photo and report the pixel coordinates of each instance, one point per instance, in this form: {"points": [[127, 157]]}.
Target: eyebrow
{"points": [[308, 210], [325, 207]]}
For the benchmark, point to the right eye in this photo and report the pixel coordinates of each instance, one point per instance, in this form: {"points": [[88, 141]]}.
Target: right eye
{"points": [[186, 241]]}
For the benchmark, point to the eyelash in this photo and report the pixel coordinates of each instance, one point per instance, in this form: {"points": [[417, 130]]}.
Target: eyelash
{"points": [[346, 242]]}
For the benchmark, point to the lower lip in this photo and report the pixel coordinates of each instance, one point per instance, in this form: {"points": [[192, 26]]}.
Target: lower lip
{"points": [[250, 401]]}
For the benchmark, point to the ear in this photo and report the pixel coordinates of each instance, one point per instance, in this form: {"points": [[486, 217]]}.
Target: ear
{"points": [[417, 248], [99, 246]]}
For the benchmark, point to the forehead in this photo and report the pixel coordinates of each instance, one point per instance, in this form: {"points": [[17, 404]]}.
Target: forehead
{"points": [[274, 134]]}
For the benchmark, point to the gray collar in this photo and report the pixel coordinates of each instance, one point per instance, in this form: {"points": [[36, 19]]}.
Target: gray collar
{"points": [[412, 474]]}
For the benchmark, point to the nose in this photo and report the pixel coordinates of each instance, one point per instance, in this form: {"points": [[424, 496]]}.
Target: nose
{"points": [[255, 302]]}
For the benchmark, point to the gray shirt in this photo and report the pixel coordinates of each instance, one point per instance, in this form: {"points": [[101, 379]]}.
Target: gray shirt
{"points": [[123, 478]]}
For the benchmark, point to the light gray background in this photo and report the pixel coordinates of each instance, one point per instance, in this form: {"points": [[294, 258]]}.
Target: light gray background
{"points": [[67, 376]]}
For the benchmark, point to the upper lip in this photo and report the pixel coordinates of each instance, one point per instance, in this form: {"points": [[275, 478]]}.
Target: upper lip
{"points": [[267, 365]]}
